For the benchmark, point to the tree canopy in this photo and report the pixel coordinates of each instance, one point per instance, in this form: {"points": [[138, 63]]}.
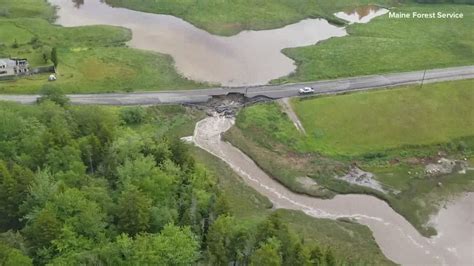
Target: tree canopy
{"points": [[95, 186]]}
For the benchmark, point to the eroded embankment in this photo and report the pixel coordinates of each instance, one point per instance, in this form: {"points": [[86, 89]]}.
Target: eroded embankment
{"points": [[397, 238]]}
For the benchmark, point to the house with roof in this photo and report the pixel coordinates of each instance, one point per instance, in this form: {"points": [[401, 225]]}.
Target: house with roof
{"points": [[14, 67]]}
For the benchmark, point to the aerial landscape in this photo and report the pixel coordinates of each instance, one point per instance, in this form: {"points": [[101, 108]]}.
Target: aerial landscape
{"points": [[236, 132]]}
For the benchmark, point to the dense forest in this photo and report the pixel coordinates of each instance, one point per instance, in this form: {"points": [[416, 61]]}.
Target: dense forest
{"points": [[90, 185]]}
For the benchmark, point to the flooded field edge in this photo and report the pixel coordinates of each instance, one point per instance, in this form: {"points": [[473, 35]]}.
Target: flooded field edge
{"points": [[246, 59]]}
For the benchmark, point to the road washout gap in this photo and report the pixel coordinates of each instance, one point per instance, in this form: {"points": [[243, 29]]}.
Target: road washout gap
{"points": [[397, 238]]}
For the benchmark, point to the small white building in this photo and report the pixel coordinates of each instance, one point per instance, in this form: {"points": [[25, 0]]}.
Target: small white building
{"points": [[14, 67]]}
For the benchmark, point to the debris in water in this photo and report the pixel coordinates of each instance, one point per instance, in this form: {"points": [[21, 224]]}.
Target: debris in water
{"points": [[359, 177], [188, 139], [446, 166]]}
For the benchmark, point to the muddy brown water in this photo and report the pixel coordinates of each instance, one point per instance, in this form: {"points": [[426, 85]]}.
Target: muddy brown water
{"points": [[248, 58], [362, 14], [397, 238]]}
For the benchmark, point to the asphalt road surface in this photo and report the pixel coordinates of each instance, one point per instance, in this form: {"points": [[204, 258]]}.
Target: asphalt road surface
{"points": [[271, 91]]}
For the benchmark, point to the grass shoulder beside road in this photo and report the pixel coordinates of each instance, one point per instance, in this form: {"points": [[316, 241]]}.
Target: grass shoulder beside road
{"points": [[391, 133], [231, 17], [389, 45], [369, 122], [91, 59]]}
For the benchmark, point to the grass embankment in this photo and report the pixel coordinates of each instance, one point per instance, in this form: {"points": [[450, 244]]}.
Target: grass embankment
{"points": [[230, 17], [392, 133], [390, 45], [91, 59]]}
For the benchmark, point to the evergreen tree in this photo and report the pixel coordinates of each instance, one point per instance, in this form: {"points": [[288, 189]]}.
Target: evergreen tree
{"points": [[54, 57], [133, 211]]}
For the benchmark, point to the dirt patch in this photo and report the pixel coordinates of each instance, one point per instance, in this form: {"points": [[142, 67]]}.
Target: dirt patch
{"points": [[446, 166], [359, 177], [307, 182], [188, 139]]}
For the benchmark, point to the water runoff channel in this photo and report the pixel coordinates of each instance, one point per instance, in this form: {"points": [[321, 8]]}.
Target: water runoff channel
{"points": [[255, 58]]}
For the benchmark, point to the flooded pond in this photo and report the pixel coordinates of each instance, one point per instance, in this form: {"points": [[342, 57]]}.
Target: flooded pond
{"points": [[397, 238], [361, 14], [248, 58], [455, 226]]}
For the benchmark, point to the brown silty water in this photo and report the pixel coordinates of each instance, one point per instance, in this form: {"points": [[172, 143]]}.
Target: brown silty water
{"points": [[361, 14], [397, 238], [248, 58]]}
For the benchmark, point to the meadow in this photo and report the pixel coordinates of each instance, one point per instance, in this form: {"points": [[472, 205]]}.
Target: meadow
{"points": [[367, 122], [231, 17], [389, 45], [91, 59], [391, 133]]}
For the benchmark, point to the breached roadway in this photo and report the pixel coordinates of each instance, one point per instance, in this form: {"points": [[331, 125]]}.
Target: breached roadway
{"points": [[271, 91]]}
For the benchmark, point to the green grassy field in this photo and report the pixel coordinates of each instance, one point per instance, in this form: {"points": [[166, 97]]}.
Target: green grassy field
{"points": [[26, 8], [391, 133], [228, 17], [91, 59], [368, 122], [390, 45]]}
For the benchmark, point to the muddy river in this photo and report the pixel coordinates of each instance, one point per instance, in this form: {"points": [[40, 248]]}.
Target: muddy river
{"points": [[397, 238], [361, 14], [248, 58]]}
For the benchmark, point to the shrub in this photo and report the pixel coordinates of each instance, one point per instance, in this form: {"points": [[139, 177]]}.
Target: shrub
{"points": [[54, 94]]}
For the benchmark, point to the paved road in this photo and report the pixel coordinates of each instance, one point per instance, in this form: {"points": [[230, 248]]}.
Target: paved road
{"points": [[271, 91]]}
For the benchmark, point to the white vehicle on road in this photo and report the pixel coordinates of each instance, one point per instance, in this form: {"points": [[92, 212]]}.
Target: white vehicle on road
{"points": [[306, 90]]}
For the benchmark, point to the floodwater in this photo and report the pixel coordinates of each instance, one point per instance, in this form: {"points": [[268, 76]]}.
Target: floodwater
{"points": [[397, 238], [362, 14], [248, 58], [460, 242]]}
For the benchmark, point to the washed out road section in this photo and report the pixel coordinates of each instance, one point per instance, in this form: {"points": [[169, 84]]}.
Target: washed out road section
{"points": [[270, 91]]}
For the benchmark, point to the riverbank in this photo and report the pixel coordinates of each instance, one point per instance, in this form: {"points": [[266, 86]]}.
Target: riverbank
{"points": [[397, 238], [266, 134], [395, 45], [91, 59], [231, 17], [350, 241]]}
